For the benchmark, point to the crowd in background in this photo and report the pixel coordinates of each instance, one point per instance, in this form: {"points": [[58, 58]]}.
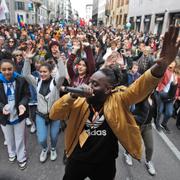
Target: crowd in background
{"points": [[55, 56]]}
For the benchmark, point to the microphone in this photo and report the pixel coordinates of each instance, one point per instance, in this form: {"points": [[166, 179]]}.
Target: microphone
{"points": [[75, 90], [72, 89]]}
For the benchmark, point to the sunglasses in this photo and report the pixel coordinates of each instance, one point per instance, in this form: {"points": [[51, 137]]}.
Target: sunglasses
{"points": [[20, 55], [11, 41]]}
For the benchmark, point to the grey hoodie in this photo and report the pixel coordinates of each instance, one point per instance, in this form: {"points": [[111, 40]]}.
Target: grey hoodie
{"points": [[45, 102]]}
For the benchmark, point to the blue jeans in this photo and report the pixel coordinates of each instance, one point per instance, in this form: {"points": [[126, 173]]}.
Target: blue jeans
{"points": [[163, 107], [167, 109], [42, 131]]}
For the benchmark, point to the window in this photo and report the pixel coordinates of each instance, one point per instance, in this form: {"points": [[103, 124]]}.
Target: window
{"points": [[30, 6], [125, 18], [117, 19], [120, 19], [19, 5]]}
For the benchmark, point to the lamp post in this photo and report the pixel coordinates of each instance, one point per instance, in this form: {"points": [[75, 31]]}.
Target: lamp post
{"points": [[37, 4]]}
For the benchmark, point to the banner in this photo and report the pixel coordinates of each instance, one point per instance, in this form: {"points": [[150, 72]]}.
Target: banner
{"points": [[3, 10]]}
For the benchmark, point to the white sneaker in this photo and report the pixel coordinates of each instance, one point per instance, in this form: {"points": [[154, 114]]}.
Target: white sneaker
{"points": [[128, 159], [23, 165], [28, 122], [5, 143], [43, 155], [150, 168], [53, 155], [12, 159], [33, 128]]}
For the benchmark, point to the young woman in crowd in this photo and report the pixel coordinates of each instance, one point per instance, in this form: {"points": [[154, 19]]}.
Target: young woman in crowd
{"points": [[47, 92], [18, 60], [14, 98], [81, 70]]}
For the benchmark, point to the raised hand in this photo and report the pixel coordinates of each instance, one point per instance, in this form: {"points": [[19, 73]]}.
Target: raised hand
{"points": [[29, 54], [170, 46], [169, 51]]}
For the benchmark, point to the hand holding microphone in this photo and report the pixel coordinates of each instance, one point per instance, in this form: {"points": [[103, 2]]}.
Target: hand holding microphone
{"points": [[80, 91]]}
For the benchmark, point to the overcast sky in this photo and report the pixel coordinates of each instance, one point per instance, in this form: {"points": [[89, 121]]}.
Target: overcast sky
{"points": [[80, 6]]}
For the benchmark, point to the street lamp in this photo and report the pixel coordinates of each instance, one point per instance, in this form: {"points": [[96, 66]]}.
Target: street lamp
{"points": [[37, 4]]}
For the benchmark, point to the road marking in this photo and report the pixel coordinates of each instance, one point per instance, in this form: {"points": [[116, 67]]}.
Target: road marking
{"points": [[169, 143]]}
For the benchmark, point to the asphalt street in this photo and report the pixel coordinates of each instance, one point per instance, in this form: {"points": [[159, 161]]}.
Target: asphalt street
{"points": [[165, 161]]}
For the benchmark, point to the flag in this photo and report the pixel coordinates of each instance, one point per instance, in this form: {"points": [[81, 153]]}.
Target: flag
{"points": [[4, 5], [82, 22], [2, 13], [3, 10], [20, 21]]}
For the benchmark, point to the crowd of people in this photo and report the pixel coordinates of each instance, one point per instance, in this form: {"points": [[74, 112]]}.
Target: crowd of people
{"points": [[127, 79]]}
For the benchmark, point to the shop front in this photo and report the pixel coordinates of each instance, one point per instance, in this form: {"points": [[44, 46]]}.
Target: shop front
{"points": [[158, 24], [147, 22]]}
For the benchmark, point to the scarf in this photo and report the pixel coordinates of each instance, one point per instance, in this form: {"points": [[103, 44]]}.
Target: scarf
{"points": [[4, 80]]}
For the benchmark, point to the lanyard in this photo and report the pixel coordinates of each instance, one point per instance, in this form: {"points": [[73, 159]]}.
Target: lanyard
{"points": [[96, 114]]}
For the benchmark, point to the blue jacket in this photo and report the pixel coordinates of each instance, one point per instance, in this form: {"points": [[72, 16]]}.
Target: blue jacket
{"points": [[33, 91]]}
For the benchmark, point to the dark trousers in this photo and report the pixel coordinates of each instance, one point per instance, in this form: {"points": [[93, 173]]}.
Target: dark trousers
{"points": [[147, 135], [32, 112], [177, 112], [77, 170], [163, 107]]}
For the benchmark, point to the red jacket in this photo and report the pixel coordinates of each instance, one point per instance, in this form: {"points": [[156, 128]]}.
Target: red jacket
{"points": [[165, 80]]}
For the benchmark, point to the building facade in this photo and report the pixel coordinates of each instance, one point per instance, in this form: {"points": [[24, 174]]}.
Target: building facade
{"points": [[101, 12], [64, 10], [117, 13], [95, 12], [31, 11], [154, 15], [89, 10]]}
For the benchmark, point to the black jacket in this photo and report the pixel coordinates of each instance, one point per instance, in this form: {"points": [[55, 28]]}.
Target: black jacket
{"points": [[21, 98], [143, 112]]}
